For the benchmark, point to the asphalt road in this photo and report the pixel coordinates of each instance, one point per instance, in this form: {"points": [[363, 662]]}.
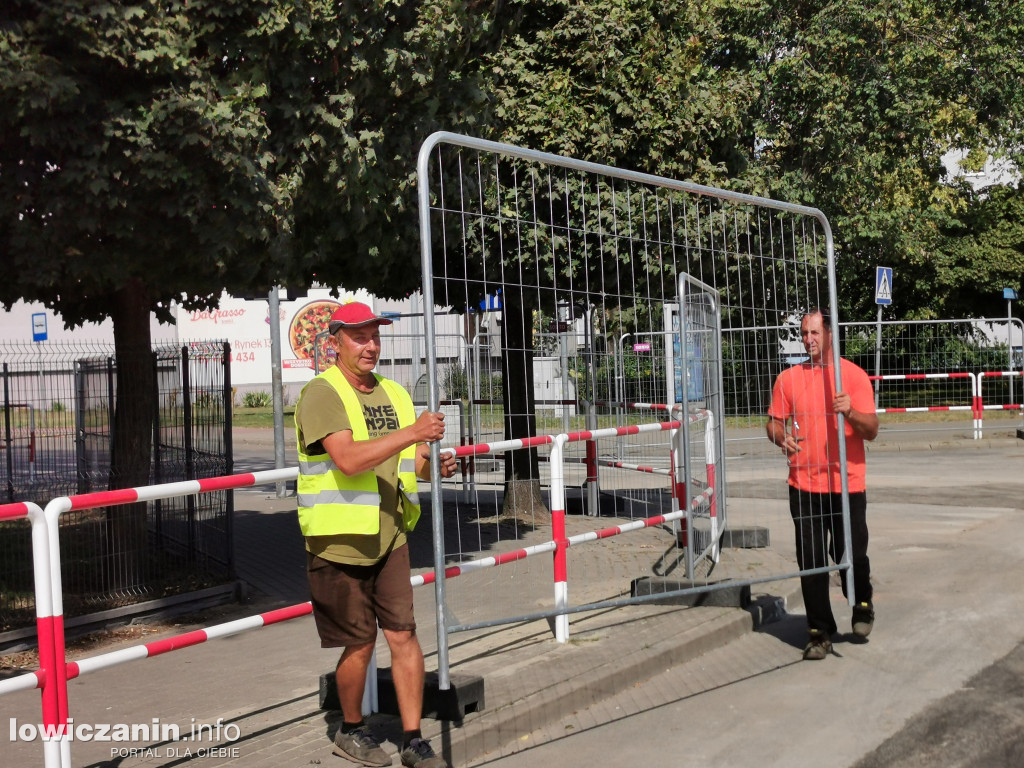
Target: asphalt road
{"points": [[940, 683]]}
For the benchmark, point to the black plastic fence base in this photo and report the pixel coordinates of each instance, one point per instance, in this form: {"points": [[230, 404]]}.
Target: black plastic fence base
{"points": [[464, 696], [721, 597], [750, 537]]}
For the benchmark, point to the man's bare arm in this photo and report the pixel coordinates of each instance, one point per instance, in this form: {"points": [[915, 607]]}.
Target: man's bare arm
{"points": [[865, 425], [779, 435]]}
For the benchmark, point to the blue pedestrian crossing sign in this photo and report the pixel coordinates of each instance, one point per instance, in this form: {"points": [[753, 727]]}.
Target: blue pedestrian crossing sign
{"points": [[883, 285]]}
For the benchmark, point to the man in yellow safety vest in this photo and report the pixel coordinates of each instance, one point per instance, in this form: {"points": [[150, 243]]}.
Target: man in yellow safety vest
{"points": [[361, 449]]}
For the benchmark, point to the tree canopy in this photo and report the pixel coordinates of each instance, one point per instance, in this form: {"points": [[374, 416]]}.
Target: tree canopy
{"points": [[849, 107], [164, 151], [186, 147]]}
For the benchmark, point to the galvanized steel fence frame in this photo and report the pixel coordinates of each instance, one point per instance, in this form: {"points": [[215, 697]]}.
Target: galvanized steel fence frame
{"points": [[773, 291]]}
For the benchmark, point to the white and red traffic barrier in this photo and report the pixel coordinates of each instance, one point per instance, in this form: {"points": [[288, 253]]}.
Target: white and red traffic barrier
{"points": [[974, 406], [996, 407], [642, 406], [48, 625], [635, 467], [187, 639], [55, 671], [64, 504], [560, 542]]}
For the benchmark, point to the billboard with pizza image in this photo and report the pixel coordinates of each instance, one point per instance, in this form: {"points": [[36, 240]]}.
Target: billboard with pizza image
{"points": [[306, 335]]}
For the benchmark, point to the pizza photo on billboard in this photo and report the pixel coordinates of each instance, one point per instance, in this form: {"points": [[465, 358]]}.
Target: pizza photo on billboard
{"points": [[310, 320]]}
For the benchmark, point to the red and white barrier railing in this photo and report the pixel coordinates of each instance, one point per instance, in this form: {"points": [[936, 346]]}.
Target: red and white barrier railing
{"points": [[47, 625], [1003, 407], [560, 542], [55, 671], [974, 406], [157, 647], [64, 504], [635, 467]]}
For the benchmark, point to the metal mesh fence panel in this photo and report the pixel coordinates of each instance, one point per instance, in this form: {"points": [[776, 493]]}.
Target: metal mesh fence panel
{"points": [[920, 370], [60, 406], [584, 260]]}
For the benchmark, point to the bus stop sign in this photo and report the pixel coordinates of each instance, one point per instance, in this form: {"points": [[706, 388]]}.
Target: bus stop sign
{"points": [[39, 326]]}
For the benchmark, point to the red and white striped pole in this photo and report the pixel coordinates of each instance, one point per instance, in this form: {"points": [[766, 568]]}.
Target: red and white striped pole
{"points": [[710, 460], [45, 677], [561, 569], [974, 407], [978, 405]]}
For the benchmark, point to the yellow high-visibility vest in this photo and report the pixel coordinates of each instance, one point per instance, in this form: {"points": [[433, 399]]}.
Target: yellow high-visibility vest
{"points": [[331, 502]]}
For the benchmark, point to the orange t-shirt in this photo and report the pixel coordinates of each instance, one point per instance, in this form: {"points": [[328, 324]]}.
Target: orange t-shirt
{"points": [[804, 394]]}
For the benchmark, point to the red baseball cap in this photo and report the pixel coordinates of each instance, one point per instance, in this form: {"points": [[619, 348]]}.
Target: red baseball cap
{"points": [[355, 314]]}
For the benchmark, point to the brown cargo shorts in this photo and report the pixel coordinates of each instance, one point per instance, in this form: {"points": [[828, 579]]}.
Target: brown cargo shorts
{"points": [[350, 601]]}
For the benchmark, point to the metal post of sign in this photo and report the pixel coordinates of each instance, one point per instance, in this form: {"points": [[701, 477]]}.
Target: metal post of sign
{"points": [[878, 353], [620, 395], [274, 304], [39, 336], [1009, 294], [883, 297], [564, 316], [415, 372]]}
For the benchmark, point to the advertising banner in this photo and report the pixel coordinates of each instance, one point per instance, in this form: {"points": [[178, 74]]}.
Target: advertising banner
{"points": [[246, 326]]}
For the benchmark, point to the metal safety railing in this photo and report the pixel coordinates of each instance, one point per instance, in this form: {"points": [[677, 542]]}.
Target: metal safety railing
{"points": [[997, 375], [974, 402], [55, 671], [974, 398]]}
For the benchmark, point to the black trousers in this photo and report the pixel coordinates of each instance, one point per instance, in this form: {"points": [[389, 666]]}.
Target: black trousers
{"points": [[818, 522]]}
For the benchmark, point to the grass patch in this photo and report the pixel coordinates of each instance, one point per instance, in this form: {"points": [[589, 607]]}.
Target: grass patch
{"points": [[261, 417]]}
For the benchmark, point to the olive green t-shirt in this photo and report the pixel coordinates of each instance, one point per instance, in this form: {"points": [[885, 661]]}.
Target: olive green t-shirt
{"points": [[320, 413]]}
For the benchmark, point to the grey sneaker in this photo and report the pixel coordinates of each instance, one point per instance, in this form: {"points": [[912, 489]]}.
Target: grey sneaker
{"points": [[863, 619], [361, 746], [818, 647], [419, 754]]}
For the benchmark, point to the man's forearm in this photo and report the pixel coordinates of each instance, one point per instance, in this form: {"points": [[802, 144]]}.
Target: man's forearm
{"points": [[865, 425], [776, 430]]}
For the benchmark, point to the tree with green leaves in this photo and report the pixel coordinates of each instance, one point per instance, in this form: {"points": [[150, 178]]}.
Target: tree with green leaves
{"points": [[130, 177], [860, 103], [166, 150]]}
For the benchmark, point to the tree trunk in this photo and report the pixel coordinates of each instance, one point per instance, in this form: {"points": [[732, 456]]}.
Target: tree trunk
{"points": [[523, 498], [134, 411]]}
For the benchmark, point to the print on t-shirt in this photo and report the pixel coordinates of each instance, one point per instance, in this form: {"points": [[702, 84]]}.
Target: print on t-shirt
{"points": [[380, 419]]}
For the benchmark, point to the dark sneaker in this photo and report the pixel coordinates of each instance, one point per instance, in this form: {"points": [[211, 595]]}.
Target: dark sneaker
{"points": [[419, 754], [863, 619], [361, 746], [818, 647]]}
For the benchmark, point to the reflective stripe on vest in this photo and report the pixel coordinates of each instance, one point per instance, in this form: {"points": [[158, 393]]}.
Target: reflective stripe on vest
{"points": [[331, 502]]}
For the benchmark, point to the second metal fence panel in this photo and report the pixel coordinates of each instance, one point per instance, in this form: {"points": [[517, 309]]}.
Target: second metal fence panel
{"points": [[577, 264]]}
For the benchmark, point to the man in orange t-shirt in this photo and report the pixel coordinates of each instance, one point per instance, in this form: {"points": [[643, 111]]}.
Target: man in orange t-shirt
{"points": [[802, 421]]}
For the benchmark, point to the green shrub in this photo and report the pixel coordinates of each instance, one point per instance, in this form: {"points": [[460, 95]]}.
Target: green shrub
{"points": [[256, 400]]}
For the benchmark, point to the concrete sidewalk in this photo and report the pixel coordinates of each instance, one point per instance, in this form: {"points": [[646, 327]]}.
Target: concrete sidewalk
{"points": [[264, 682]]}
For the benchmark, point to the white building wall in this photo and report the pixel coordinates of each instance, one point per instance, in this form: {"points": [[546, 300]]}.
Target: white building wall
{"points": [[246, 326]]}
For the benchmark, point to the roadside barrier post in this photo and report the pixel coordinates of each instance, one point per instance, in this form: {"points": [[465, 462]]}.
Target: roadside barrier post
{"points": [[558, 534], [46, 676]]}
